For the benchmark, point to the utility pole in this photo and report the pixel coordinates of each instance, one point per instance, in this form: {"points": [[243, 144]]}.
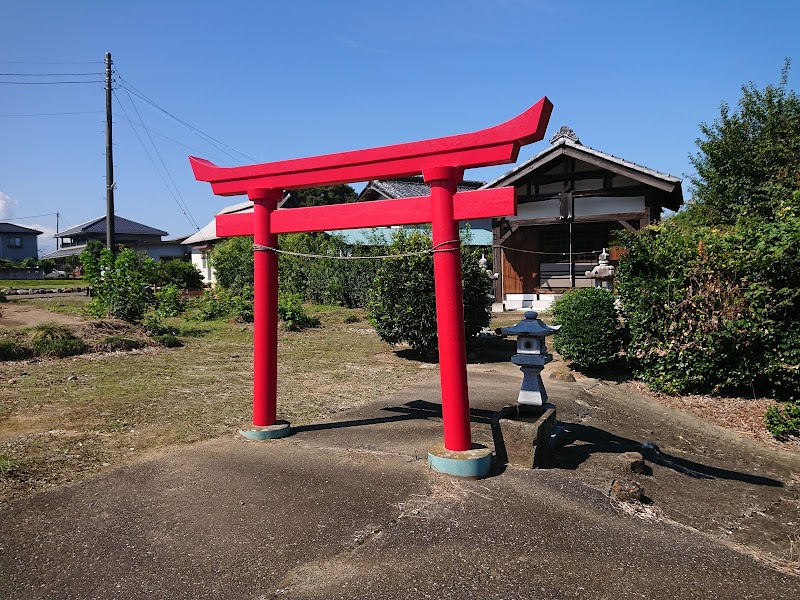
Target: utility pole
{"points": [[57, 216], [109, 164]]}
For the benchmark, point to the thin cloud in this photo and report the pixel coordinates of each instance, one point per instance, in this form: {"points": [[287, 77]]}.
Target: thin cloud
{"points": [[7, 204], [360, 47]]}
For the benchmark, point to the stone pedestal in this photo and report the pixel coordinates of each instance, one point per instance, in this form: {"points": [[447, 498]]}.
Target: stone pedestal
{"points": [[521, 434]]}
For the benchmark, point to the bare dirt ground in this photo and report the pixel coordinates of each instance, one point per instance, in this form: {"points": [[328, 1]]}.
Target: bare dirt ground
{"points": [[13, 314]]}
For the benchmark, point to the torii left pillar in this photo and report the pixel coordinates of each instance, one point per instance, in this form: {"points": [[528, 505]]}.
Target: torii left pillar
{"points": [[265, 319]]}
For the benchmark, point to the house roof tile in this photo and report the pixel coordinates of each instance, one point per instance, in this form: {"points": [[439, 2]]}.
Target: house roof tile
{"points": [[11, 228], [121, 225]]}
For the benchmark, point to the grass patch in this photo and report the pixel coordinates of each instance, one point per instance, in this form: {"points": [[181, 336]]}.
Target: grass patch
{"points": [[41, 284], [65, 306], [56, 341], [168, 341], [113, 343], [106, 404], [10, 467], [12, 349]]}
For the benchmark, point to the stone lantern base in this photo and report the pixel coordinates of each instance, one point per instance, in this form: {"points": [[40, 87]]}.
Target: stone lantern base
{"points": [[522, 433]]}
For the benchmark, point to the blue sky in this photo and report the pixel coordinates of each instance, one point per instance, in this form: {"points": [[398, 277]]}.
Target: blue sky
{"points": [[280, 80]]}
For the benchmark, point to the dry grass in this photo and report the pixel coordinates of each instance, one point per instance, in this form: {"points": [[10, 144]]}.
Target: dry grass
{"points": [[65, 418]]}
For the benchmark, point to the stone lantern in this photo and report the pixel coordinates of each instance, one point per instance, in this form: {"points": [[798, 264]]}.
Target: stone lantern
{"points": [[531, 356], [603, 273], [522, 431]]}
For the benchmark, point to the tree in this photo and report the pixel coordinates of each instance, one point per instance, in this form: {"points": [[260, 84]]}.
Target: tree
{"points": [[119, 284], [232, 261], [321, 196], [182, 275], [748, 160], [402, 305], [48, 265]]}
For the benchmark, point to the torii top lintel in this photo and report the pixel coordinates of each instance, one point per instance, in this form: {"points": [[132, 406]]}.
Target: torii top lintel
{"points": [[493, 146]]}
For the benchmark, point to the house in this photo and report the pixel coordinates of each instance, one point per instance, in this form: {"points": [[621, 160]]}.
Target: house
{"points": [[127, 233], [571, 199], [480, 230], [17, 242]]}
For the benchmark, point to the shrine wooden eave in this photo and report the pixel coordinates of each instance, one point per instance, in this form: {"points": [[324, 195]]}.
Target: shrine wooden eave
{"points": [[493, 146], [667, 186]]}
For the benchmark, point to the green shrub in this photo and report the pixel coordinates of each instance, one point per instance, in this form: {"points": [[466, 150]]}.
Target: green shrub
{"points": [[119, 284], [168, 301], [714, 310], [56, 341], [402, 305], [10, 467], [182, 275], [168, 341], [291, 313], [221, 303], [352, 319], [154, 326], [11, 349], [590, 334], [783, 421], [113, 343]]}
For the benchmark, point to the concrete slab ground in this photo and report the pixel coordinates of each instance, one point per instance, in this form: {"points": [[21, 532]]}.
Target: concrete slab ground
{"points": [[348, 508]]}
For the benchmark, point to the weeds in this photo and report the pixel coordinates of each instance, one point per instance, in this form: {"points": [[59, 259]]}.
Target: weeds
{"points": [[56, 341]]}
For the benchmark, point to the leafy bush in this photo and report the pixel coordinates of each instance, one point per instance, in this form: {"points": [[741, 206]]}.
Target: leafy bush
{"points": [[323, 281], [112, 343], [783, 421], [154, 326], [714, 310], [221, 303], [168, 301], [11, 349], [402, 306], [48, 265], [182, 275], [291, 313], [590, 334], [119, 285], [56, 341]]}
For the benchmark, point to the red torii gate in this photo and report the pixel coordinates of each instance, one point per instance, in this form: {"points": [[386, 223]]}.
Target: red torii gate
{"points": [[441, 162]]}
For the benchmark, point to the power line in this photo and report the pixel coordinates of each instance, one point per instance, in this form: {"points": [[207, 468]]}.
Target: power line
{"points": [[45, 82], [213, 141], [48, 74], [57, 114], [182, 207], [35, 216], [33, 62], [192, 148]]}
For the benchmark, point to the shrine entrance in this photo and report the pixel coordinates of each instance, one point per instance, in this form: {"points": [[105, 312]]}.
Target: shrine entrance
{"points": [[441, 162]]}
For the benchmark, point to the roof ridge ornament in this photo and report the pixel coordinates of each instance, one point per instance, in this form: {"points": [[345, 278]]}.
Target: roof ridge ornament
{"points": [[565, 133]]}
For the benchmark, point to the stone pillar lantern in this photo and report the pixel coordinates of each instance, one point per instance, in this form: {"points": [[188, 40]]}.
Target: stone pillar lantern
{"points": [[603, 273], [531, 356]]}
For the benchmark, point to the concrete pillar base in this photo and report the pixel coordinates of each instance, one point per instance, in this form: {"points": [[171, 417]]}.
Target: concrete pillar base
{"points": [[280, 429], [474, 463]]}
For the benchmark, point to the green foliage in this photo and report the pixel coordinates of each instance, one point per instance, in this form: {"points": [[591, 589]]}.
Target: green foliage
{"points": [[48, 265], [749, 160], [333, 282], [56, 341], [321, 196], [27, 263], [154, 326], [783, 421], [182, 275], [119, 285], [232, 261], [590, 334], [168, 341], [10, 467], [168, 301], [291, 313], [12, 349], [402, 306], [112, 343], [714, 310], [221, 303]]}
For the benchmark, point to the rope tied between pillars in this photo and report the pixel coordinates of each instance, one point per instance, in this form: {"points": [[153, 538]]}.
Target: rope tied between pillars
{"points": [[434, 250]]}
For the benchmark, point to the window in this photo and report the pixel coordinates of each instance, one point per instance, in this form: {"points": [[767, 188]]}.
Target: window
{"points": [[14, 242]]}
